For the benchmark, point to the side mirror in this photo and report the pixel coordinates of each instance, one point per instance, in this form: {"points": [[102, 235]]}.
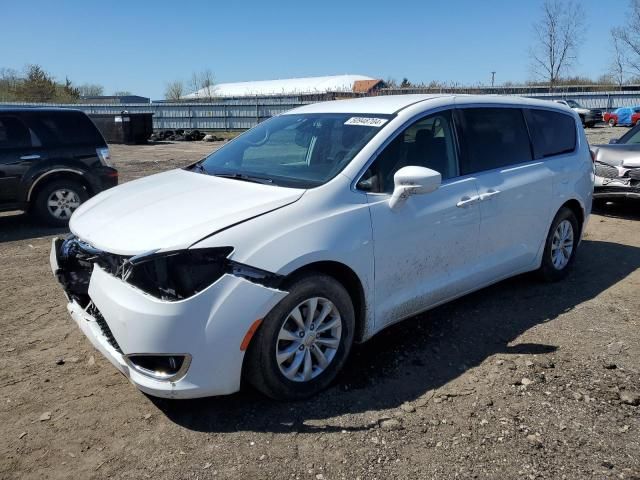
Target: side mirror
{"points": [[413, 181], [613, 141]]}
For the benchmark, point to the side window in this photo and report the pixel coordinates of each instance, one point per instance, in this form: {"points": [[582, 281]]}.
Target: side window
{"points": [[15, 134], [429, 142], [552, 133], [493, 138]]}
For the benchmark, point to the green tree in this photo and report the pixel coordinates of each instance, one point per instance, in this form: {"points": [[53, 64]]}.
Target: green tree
{"points": [[37, 86]]}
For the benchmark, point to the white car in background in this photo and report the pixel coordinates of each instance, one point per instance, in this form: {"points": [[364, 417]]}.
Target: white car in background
{"points": [[319, 228]]}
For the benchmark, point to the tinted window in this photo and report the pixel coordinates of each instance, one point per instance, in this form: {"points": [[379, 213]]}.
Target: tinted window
{"points": [[15, 134], [429, 142], [65, 128], [553, 133], [493, 138]]}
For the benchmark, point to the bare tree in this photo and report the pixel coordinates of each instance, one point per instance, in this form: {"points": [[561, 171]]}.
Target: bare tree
{"points": [[618, 62], [628, 37], [202, 84], [174, 91], [558, 34], [91, 90], [122, 93], [207, 84]]}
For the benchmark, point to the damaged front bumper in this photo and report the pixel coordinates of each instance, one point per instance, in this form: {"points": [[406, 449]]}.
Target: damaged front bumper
{"points": [[616, 187], [203, 333]]}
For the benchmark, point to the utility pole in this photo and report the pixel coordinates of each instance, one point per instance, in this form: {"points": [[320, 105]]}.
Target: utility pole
{"points": [[493, 78]]}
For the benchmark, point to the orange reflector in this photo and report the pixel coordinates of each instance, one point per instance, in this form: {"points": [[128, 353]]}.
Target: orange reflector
{"points": [[249, 335]]}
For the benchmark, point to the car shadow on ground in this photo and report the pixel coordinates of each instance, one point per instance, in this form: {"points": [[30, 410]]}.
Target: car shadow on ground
{"points": [[424, 353], [628, 209], [20, 226]]}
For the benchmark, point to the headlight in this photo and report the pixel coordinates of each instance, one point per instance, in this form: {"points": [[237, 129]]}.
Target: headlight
{"points": [[176, 275]]}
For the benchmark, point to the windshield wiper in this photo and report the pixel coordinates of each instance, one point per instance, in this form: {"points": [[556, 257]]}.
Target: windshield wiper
{"points": [[244, 177]]}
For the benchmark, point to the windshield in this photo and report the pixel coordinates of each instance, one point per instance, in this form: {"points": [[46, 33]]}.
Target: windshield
{"points": [[302, 151], [573, 104]]}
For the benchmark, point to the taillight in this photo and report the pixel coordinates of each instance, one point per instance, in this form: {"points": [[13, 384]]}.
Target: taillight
{"points": [[105, 156]]}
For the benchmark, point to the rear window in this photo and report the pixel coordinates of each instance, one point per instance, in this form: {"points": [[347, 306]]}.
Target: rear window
{"points": [[493, 138], [66, 128], [552, 133]]}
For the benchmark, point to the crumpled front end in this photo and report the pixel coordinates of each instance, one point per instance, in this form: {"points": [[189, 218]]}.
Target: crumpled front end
{"points": [[616, 180], [168, 344]]}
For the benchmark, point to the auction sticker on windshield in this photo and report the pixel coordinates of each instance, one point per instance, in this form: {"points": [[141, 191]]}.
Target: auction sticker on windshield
{"points": [[366, 121]]}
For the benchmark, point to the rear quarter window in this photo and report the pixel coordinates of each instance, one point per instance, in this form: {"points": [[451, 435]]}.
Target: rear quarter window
{"points": [[66, 129], [552, 133]]}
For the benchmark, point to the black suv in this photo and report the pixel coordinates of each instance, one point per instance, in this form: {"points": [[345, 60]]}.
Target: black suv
{"points": [[51, 160]]}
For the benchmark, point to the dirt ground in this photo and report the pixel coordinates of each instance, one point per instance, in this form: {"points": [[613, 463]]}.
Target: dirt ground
{"points": [[519, 380]]}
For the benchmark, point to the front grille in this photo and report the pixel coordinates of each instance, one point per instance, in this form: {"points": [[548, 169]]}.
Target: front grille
{"points": [[606, 171], [104, 327], [635, 173]]}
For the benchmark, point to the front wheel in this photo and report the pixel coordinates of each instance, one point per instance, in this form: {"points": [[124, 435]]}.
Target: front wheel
{"points": [[612, 122], [304, 341], [560, 247]]}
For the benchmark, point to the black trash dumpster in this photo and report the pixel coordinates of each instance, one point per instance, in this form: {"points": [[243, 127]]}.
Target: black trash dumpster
{"points": [[130, 128]]}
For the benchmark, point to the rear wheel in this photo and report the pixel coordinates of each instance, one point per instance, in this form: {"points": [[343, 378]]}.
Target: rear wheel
{"points": [[560, 247], [304, 341], [57, 200], [612, 122]]}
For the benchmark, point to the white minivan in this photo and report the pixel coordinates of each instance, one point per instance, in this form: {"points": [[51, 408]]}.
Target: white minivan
{"points": [[318, 228]]}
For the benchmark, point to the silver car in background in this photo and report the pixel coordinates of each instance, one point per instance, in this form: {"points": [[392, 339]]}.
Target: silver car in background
{"points": [[617, 167]]}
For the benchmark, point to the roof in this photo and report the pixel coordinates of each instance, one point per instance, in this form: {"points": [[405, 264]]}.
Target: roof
{"points": [[365, 86], [389, 104], [384, 104], [28, 108], [286, 86]]}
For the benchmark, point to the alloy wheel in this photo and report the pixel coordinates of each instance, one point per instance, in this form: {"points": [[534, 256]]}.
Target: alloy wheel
{"points": [[62, 203], [308, 339], [562, 245]]}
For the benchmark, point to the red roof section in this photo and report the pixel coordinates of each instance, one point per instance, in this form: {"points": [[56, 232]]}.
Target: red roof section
{"points": [[365, 86]]}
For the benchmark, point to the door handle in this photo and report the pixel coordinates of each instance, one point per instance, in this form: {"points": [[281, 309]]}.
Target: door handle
{"points": [[467, 200], [487, 195], [30, 157]]}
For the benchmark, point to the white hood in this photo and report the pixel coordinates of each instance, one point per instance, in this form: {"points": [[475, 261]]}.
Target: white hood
{"points": [[172, 210]]}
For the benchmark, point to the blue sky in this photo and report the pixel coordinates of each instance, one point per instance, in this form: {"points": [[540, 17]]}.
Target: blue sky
{"points": [[141, 45]]}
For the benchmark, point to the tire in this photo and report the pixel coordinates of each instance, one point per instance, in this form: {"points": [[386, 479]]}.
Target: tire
{"points": [[556, 264], [591, 124], [70, 195], [612, 122], [262, 368]]}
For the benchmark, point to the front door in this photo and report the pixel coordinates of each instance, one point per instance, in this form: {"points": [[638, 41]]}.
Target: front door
{"points": [[425, 249], [19, 147]]}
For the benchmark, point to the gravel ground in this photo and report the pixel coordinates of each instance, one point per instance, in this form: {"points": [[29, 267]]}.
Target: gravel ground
{"points": [[519, 380]]}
